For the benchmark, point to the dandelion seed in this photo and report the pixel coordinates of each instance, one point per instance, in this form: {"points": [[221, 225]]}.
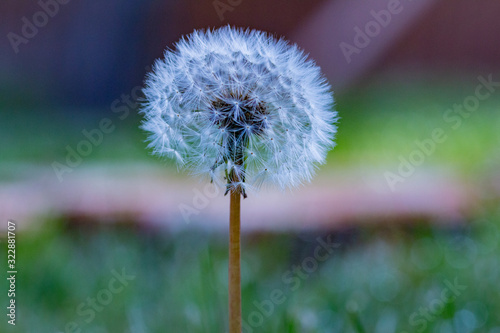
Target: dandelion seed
{"points": [[268, 87]]}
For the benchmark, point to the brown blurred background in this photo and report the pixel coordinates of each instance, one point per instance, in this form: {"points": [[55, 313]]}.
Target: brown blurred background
{"points": [[108, 44]]}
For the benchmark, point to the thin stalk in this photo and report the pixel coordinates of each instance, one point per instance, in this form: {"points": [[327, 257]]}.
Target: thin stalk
{"points": [[234, 263], [356, 321]]}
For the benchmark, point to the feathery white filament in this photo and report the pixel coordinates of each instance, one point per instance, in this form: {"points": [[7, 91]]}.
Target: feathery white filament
{"points": [[242, 107]]}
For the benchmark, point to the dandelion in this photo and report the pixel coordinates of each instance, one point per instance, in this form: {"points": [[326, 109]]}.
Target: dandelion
{"points": [[244, 109]]}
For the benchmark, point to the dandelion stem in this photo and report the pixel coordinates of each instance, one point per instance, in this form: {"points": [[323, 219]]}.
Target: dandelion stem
{"points": [[234, 263]]}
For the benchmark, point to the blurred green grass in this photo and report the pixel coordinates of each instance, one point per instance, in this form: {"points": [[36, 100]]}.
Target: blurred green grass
{"points": [[382, 120], [380, 278]]}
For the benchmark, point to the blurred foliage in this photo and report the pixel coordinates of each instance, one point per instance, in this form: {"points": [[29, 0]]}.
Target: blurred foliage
{"points": [[380, 280], [382, 120]]}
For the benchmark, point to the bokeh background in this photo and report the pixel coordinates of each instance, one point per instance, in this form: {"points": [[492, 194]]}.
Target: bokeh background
{"points": [[111, 239]]}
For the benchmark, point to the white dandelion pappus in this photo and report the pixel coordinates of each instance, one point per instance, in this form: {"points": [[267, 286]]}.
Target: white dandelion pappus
{"points": [[241, 107]]}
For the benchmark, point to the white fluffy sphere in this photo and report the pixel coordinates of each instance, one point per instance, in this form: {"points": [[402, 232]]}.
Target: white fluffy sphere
{"points": [[241, 107]]}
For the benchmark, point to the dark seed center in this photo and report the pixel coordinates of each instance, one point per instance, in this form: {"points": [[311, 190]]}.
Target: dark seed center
{"points": [[238, 116]]}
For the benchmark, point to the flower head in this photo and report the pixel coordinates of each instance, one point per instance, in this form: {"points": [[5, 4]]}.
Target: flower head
{"points": [[241, 107]]}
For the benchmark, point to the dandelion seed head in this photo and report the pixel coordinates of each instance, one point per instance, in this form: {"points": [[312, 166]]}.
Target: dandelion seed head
{"points": [[242, 107]]}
